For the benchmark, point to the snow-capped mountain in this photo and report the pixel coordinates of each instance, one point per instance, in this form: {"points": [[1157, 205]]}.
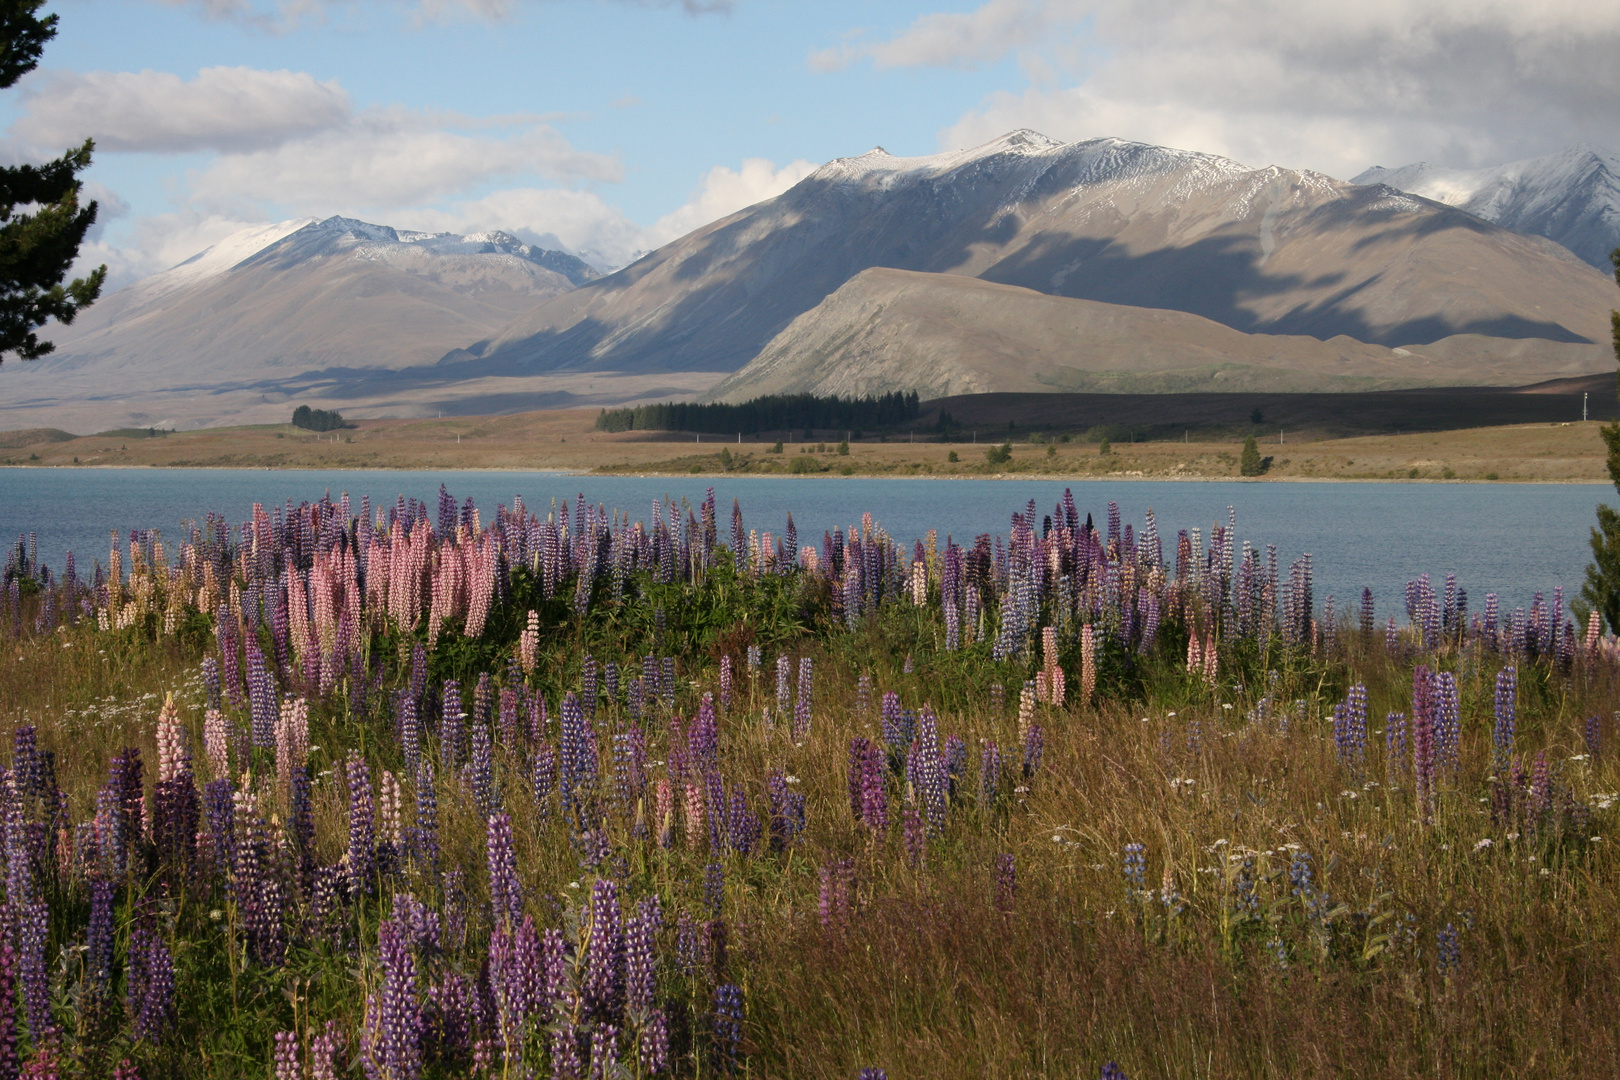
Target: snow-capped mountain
{"points": [[1262, 251], [1572, 197], [273, 307]]}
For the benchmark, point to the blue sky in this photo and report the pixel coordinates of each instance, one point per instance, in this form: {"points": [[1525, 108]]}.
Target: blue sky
{"points": [[614, 125]]}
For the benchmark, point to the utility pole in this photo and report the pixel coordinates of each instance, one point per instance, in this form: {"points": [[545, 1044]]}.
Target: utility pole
{"points": [[1583, 406]]}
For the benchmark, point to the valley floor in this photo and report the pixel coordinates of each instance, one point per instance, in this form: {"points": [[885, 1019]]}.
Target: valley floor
{"points": [[565, 440]]}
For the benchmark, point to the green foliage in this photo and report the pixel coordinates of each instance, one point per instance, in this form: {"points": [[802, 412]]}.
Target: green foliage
{"points": [[771, 413], [804, 463], [1250, 463], [776, 448], [953, 457], [318, 419], [38, 248], [1105, 447], [843, 448], [998, 455]]}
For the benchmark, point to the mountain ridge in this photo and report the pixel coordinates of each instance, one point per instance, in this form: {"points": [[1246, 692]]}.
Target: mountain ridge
{"points": [[1267, 250], [1571, 197]]}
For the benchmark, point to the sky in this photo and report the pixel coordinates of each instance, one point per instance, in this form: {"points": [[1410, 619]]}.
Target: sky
{"points": [[609, 127]]}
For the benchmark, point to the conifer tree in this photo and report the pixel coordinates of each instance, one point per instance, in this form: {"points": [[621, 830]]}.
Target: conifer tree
{"points": [[1602, 588], [38, 246]]}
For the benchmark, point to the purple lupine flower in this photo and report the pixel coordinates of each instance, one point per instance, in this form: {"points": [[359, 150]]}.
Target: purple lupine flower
{"points": [[1006, 882], [98, 960], [451, 721], [287, 1065], [151, 984], [479, 773], [714, 811], [410, 730], [691, 945], [725, 682], [326, 1053], [220, 813], [1395, 743], [784, 689], [871, 1073], [1507, 696], [989, 776], [898, 725], [801, 709], [1135, 869], [703, 738], [505, 891], [8, 1008], [728, 1020], [543, 775], [1594, 737], [362, 826], [604, 1052], [787, 811], [261, 696], [578, 752], [654, 1046], [400, 1020], [603, 988], [874, 796], [517, 980], [859, 749], [210, 677], [629, 768], [33, 931], [1448, 951], [666, 682], [424, 842], [714, 887], [742, 824], [1034, 750], [1447, 723], [1112, 1071], [640, 965], [1423, 738]]}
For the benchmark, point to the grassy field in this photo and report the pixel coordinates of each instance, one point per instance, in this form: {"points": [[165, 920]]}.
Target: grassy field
{"points": [[1560, 451], [1210, 854]]}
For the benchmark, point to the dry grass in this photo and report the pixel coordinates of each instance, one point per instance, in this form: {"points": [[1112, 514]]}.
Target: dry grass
{"points": [[930, 978], [566, 440]]}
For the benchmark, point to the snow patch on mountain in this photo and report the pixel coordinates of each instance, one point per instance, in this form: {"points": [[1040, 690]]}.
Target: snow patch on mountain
{"points": [[217, 259], [1572, 197]]}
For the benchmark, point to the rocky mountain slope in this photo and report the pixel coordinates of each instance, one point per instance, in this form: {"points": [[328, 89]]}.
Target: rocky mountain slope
{"points": [[1270, 251], [1572, 197], [285, 309], [946, 334]]}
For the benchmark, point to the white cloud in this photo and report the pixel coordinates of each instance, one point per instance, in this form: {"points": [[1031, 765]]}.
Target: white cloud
{"points": [[223, 109], [583, 222], [390, 159], [725, 191], [158, 242], [950, 39], [1327, 85], [579, 221]]}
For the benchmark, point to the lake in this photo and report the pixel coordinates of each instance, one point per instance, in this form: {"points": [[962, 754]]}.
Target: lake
{"points": [[1511, 539]]}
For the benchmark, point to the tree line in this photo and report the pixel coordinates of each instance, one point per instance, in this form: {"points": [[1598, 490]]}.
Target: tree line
{"points": [[775, 412]]}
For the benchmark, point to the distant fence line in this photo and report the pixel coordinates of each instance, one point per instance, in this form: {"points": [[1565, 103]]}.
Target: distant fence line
{"points": [[787, 412]]}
